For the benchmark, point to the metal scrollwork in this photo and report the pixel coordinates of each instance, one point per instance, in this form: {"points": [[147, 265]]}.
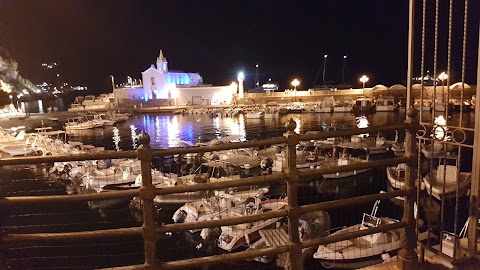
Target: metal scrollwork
{"points": [[459, 136], [422, 131], [442, 133]]}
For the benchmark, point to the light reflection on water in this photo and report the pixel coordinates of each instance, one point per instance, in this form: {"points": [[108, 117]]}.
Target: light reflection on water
{"points": [[116, 138], [166, 130], [362, 122]]}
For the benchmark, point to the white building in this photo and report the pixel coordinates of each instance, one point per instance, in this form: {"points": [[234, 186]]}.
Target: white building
{"points": [[180, 87]]}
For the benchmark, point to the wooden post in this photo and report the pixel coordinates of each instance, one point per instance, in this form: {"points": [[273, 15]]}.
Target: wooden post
{"points": [[147, 194], [294, 261], [407, 257]]}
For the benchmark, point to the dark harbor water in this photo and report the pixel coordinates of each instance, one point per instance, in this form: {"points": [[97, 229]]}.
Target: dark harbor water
{"points": [[166, 131]]}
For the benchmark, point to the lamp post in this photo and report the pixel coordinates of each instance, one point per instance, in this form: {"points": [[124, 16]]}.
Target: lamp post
{"points": [[343, 68], [257, 80], [324, 65], [443, 76], [240, 78], [363, 80], [295, 83]]}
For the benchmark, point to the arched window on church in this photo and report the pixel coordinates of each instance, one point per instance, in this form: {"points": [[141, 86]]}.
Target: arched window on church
{"points": [[153, 80]]}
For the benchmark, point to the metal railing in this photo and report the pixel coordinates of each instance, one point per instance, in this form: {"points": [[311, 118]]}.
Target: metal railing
{"points": [[407, 258]]}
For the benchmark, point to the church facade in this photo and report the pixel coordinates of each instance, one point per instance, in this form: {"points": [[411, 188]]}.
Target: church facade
{"points": [[180, 87]]}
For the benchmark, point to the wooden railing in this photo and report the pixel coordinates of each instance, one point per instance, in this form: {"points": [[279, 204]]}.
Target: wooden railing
{"points": [[407, 258]]}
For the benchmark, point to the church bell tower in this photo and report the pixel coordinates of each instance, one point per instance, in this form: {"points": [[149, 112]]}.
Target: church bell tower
{"points": [[162, 64]]}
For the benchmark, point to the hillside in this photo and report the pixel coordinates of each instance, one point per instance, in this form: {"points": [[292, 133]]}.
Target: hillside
{"points": [[11, 82]]}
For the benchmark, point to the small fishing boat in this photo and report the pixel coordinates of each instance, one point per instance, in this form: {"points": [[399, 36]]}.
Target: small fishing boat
{"points": [[443, 181], [217, 205], [385, 104], [396, 178], [296, 107], [255, 114], [423, 106], [325, 106], [436, 150], [343, 105], [342, 161], [371, 145], [362, 251], [364, 104], [235, 236]]}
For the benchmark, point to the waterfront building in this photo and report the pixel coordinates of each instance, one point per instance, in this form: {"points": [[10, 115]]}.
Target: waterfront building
{"points": [[177, 87]]}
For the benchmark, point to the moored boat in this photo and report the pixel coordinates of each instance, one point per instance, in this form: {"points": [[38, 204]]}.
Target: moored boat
{"points": [[361, 251]]}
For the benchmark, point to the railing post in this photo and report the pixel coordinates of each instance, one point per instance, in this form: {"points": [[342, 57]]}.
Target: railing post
{"points": [[147, 195], [295, 260], [407, 257]]}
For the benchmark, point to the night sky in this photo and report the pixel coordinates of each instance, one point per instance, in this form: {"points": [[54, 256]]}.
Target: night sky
{"points": [[93, 39]]}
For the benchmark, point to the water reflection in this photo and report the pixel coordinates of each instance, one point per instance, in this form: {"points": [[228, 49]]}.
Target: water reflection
{"points": [[116, 138], [133, 134], [40, 106], [235, 126], [166, 130], [362, 122], [173, 129], [216, 125]]}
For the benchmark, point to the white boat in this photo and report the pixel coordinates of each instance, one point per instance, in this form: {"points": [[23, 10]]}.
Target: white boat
{"points": [[17, 150], [385, 104], [211, 171], [255, 115], [364, 104], [235, 236], [212, 207], [100, 178], [343, 105], [76, 107], [103, 117], [296, 107], [372, 145], [396, 176], [443, 181], [362, 251], [311, 225], [325, 106], [77, 123], [424, 106], [342, 161], [439, 150]]}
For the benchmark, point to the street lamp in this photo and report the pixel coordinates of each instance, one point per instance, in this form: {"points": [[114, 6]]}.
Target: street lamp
{"points": [[343, 68], [257, 76], [295, 83], [324, 65], [240, 78], [363, 80], [443, 76]]}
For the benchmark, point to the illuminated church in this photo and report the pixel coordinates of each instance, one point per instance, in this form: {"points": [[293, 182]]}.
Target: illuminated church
{"points": [[160, 82], [181, 87]]}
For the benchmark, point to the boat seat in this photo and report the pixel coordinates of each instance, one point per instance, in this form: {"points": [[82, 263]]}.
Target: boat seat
{"points": [[339, 246]]}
